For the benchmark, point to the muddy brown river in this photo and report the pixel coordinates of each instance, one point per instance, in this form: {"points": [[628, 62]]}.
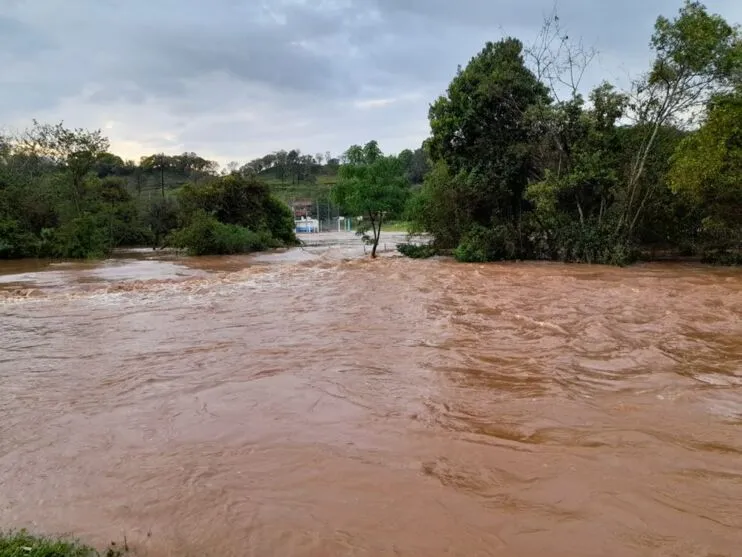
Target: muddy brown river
{"points": [[317, 403]]}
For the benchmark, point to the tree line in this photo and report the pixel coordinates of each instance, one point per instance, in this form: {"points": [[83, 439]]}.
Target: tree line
{"points": [[295, 167], [63, 194], [519, 164], [525, 167]]}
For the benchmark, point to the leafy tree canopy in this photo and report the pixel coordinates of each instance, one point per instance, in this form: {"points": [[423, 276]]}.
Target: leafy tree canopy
{"points": [[371, 185]]}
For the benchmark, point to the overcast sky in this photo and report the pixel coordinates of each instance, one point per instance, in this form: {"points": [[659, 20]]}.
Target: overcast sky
{"points": [[235, 79]]}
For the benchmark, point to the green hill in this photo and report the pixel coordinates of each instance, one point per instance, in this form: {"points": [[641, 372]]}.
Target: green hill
{"points": [[317, 188]]}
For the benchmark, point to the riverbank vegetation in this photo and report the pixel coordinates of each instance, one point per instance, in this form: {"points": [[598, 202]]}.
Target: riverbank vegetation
{"points": [[373, 186], [23, 544], [521, 163], [63, 195], [525, 167]]}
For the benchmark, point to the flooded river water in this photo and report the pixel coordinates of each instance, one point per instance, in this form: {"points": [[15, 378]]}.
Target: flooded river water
{"points": [[319, 403]]}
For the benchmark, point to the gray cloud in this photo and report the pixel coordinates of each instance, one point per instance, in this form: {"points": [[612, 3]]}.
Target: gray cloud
{"points": [[234, 79], [17, 36]]}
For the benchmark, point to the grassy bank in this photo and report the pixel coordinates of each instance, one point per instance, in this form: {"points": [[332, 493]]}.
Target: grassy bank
{"points": [[395, 226], [23, 544]]}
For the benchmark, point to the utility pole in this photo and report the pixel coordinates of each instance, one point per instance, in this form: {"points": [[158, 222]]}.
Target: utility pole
{"points": [[162, 174]]}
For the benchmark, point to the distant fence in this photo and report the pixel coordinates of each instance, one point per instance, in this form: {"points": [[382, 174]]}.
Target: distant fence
{"points": [[310, 226]]}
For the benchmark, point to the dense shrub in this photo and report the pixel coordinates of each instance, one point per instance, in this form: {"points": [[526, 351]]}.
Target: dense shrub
{"points": [[722, 257], [81, 238], [161, 217], [417, 251], [130, 234], [576, 243], [243, 203], [280, 220], [205, 235], [482, 244], [15, 241]]}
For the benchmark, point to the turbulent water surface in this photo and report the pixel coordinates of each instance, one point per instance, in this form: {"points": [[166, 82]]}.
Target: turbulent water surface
{"points": [[318, 403]]}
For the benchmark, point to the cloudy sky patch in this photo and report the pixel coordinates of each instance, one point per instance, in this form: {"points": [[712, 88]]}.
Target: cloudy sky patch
{"points": [[235, 79]]}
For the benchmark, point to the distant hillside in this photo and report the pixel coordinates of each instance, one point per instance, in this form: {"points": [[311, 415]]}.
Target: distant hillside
{"points": [[316, 188], [146, 186], [149, 185]]}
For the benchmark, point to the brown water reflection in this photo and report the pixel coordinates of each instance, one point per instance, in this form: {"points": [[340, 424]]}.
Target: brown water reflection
{"points": [[282, 409]]}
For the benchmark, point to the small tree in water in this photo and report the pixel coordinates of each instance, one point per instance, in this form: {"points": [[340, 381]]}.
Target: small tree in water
{"points": [[371, 185]]}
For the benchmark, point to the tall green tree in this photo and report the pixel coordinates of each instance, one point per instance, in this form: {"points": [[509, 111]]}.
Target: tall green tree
{"points": [[443, 206], [697, 55], [416, 164], [74, 151], [578, 151], [707, 168], [480, 127], [371, 185]]}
